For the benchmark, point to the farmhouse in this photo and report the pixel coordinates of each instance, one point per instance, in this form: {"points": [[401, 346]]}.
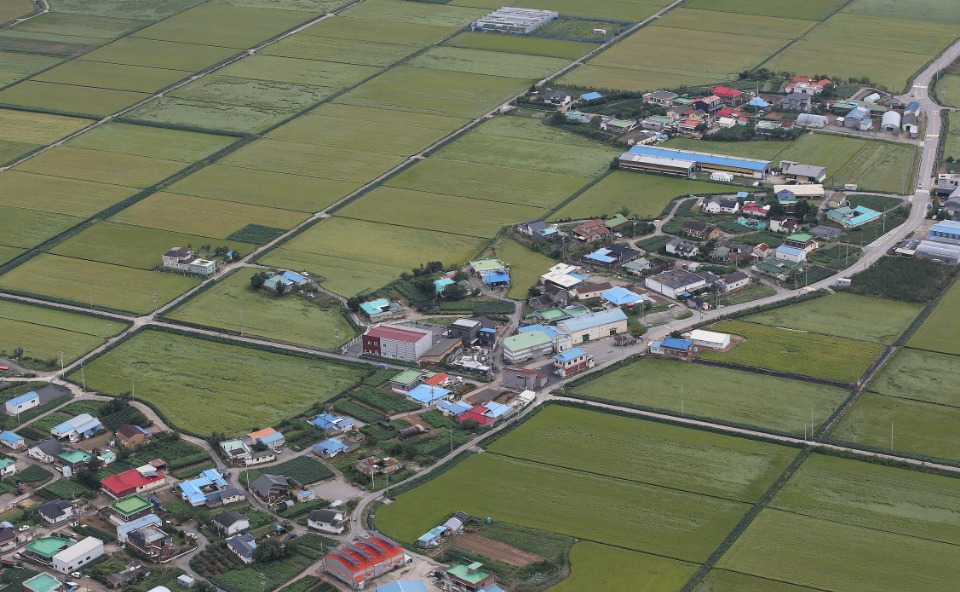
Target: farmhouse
{"points": [[124, 529], [332, 424], [79, 428], [332, 521], [523, 379], [620, 296], [783, 224], [183, 259], [563, 275], [329, 448], [492, 271], [22, 403], [848, 217], [590, 231], [243, 546], [381, 310], [151, 540], [12, 440], [127, 509], [601, 256], [791, 254], [537, 230], [858, 118], [803, 173], [131, 436], [469, 577], [471, 332], [427, 395], [777, 268], [397, 343], [363, 559], [721, 205], [269, 437], [588, 291], [734, 281], [700, 229], [45, 450], [229, 522], [796, 101], [673, 347], [138, 480], [196, 490], [57, 512], [709, 103], [595, 326], [270, 488], [801, 240], [618, 126], [557, 98], [240, 453], [730, 96], [572, 362], [674, 282], [660, 97], [709, 339]]}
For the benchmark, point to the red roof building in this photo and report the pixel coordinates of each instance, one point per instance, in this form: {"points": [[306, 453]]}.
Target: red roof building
{"points": [[591, 230], [396, 343], [729, 95], [477, 414], [138, 480], [364, 559], [436, 379], [728, 112]]}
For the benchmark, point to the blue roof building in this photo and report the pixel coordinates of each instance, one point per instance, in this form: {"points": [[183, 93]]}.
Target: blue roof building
{"points": [[331, 423], [405, 586], [790, 254], [441, 284], [12, 439], [374, 307], [124, 529], [601, 255], [591, 96], [329, 448], [852, 217], [676, 343], [243, 545], [296, 278], [456, 408], [946, 231], [78, 428], [593, 321], [706, 160], [195, 490], [497, 410], [492, 278], [22, 402], [430, 538], [569, 354], [758, 102], [620, 296], [427, 395], [273, 283]]}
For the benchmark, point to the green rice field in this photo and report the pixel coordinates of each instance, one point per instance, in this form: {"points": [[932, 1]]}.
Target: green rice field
{"points": [[290, 318], [490, 63], [919, 428], [82, 282], [920, 375], [948, 90], [527, 155], [633, 10], [37, 128], [864, 318], [43, 332], [58, 194], [312, 160], [733, 395], [938, 331], [134, 51], [152, 142], [366, 28], [239, 389], [110, 76], [809, 9], [345, 51], [101, 167], [518, 44], [592, 564], [20, 227], [415, 13], [147, 10], [526, 266], [796, 352], [721, 580], [14, 9], [644, 196], [223, 25], [68, 99]]}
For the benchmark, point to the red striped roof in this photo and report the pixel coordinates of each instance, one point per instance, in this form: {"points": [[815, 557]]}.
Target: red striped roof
{"points": [[396, 334]]}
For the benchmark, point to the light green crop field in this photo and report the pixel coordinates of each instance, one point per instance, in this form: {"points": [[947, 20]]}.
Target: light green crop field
{"points": [[527, 128], [845, 315], [331, 249], [644, 196], [939, 331], [11, 150], [438, 92], [43, 332], [16, 66], [58, 26], [111, 76], [797, 352], [918, 427], [153, 142], [299, 71], [415, 12], [316, 6], [263, 188], [222, 25], [874, 496], [202, 217], [289, 318], [347, 28], [231, 104], [312, 160], [764, 149], [385, 116], [110, 286], [147, 10], [69, 99], [948, 90], [20, 227], [728, 395], [595, 566], [134, 51], [8, 253], [699, 462], [14, 8], [626, 514], [686, 63], [128, 245], [37, 128], [431, 211], [736, 24], [920, 375], [57, 194], [397, 138], [489, 182], [204, 386], [344, 51], [721, 580], [933, 11], [518, 153], [832, 556], [101, 167], [526, 266], [812, 10], [635, 10], [882, 166], [490, 63], [520, 44]]}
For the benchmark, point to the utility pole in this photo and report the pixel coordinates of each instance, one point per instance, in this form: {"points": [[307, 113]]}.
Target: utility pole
{"points": [[61, 362], [891, 435], [681, 399], [241, 322], [83, 378], [155, 303]]}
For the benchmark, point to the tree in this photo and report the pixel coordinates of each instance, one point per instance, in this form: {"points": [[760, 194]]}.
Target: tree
{"points": [[353, 303], [257, 279], [460, 276], [454, 292], [270, 550], [281, 288]]}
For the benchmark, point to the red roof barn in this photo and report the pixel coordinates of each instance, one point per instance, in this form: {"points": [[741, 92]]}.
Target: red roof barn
{"points": [[137, 480], [363, 559]]}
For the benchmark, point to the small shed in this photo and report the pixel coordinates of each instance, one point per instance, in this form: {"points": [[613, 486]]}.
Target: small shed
{"points": [[710, 339], [431, 538]]}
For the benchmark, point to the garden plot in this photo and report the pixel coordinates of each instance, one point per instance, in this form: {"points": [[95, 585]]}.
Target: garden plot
{"points": [[203, 386], [796, 352], [526, 266], [263, 188], [447, 213], [289, 318], [727, 395], [106, 286]]}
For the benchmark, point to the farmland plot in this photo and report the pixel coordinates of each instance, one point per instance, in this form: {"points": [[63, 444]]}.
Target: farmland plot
{"points": [[721, 580], [938, 333], [134, 51], [290, 318], [357, 134], [920, 375], [20, 227], [55, 26], [43, 333], [222, 25], [526, 266], [58, 194], [110, 76], [64, 98], [153, 142], [37, 128], [728, 395], [101, 167], [556, 48], [147, 10], [347, 28], [311, 72], [204, 386], [12, 10], [17, 66], [527, 155], [344, 51], [619, 9], [491, 63], [415, 13], [812, 10], [807, 354], [312, 160], [592, 564]]}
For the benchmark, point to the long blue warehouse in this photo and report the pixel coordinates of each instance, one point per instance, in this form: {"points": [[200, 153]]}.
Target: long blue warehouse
{"points": [[702, 160]]}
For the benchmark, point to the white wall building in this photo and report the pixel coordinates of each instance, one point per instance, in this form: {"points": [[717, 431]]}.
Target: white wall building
{"points": [[183, 259], [74, 557], [709, 339]]}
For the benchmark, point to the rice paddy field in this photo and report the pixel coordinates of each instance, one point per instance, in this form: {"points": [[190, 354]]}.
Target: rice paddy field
{"points": [[24, 132], [12, 10], [864, 318], [644, 196], [526, 266], [939, 329], [590, 566], [58, 195], [290, 318], [444, 15], [96, 284], [733, 396], [921, 376], [650, 505], [796, 352], [203, 386], [44, 332], [948, 90], [492, 63], [517, 44]]}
